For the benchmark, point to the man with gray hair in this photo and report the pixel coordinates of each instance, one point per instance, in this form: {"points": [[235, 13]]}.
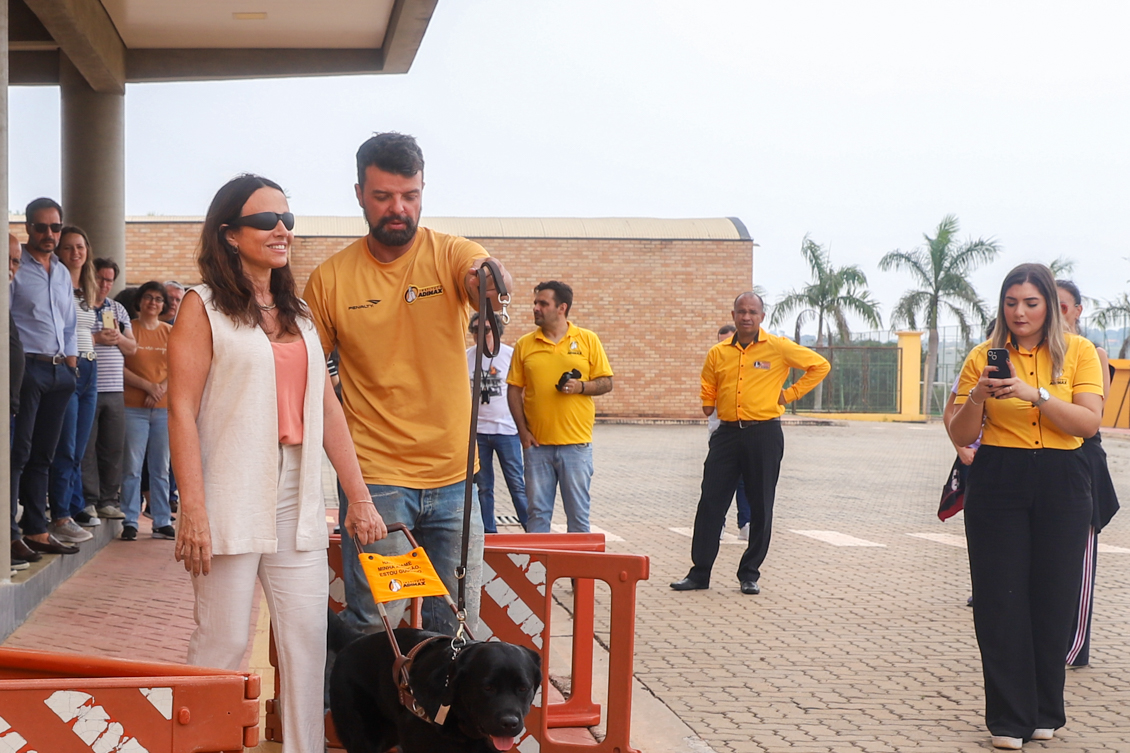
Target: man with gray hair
{"points": [[176, 294], [742, 381]]}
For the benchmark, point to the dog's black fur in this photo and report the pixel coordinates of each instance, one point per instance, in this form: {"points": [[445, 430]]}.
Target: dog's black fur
{"points": [[493, 685]]}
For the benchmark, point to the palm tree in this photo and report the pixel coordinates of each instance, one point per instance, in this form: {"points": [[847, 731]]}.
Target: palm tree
{"points": [[940, 269], [1114, 313], [829, 298], [1062, 267]]}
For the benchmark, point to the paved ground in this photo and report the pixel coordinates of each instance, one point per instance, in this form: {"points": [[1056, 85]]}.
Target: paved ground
{"points": [[866, 648], [848, 648]]}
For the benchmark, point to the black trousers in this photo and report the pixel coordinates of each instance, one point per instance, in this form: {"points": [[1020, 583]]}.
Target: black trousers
{"points": [[44, 394], [1027, 519], [102, 463], [753, 453]]}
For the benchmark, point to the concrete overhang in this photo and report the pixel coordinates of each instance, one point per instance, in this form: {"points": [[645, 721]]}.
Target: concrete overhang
{"points": [[115, 42]]}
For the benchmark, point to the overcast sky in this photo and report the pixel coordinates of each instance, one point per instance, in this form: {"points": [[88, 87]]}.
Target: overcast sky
{"points": [[862, 124]]}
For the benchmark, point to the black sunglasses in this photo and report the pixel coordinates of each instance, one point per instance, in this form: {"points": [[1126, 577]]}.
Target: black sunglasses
{"points": [[265, 220], [42, 227]]}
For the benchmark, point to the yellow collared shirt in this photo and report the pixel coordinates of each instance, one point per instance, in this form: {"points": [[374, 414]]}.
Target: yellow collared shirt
{"points": [[1012, 422], [553, 417], [744, 384]]}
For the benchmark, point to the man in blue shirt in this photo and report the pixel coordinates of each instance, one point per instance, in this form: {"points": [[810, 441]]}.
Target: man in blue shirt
{"points": [[43, 309]]}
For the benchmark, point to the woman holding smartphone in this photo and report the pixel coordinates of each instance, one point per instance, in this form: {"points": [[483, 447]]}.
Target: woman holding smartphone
{"points": [[1028, 501]]}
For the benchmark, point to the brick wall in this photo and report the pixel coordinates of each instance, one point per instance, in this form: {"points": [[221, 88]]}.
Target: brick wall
{"points": [[656, 304]]}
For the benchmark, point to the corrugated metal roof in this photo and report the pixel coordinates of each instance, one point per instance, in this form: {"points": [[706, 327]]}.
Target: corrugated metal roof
{"points": [[706, 228]]}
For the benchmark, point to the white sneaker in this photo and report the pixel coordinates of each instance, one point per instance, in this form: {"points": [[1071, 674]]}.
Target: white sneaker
{"points": [[1043, 734], [743, 532], [70, 532], [1007, 743]]}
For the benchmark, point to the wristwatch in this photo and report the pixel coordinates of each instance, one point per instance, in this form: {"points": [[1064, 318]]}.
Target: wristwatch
{"points": [[1043, 398]]}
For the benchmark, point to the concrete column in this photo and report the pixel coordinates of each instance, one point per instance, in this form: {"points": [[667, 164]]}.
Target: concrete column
{"points": [[94, 164], [910, 376], [5, 450]]}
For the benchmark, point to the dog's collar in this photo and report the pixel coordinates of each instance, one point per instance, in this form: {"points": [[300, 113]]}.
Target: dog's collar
{"points": [[401, 667]]}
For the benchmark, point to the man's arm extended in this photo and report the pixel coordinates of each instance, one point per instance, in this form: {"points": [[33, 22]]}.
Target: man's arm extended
{"points": [[598, 386]]}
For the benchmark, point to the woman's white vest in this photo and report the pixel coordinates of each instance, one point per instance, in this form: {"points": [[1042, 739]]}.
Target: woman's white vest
{"points": [[239, 439]]}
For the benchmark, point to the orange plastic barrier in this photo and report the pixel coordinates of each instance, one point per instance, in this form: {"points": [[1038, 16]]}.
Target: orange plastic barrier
{"points": [[68, 703], [517, 608]]}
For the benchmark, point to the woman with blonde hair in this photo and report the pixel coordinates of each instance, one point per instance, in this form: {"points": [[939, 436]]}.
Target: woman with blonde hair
{"points": [[65, 480], [251, 411], [1028, 501]]}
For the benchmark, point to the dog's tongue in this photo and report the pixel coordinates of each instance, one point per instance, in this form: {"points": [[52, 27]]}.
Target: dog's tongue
{"points": [[502, 743]]}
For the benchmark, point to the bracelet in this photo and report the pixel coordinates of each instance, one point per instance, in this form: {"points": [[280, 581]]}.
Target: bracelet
{"points": [[582, 388], [974, 401], [362, 502]]}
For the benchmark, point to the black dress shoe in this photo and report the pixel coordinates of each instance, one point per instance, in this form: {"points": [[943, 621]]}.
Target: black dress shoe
{"points": [[20, 551], [687, 584], [53, 546], [750, 587]]}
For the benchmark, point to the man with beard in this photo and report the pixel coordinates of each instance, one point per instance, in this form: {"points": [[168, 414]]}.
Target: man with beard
{"points": [[395, 305]]}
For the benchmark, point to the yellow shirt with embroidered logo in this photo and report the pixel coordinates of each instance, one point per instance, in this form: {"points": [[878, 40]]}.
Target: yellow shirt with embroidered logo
{"points": [[744, 384], [398, 328], [555, 418], [1012, 422]]}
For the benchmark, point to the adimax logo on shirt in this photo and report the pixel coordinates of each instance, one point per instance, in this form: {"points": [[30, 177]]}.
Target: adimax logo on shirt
{"points": [[368, 305], [413, 293]]}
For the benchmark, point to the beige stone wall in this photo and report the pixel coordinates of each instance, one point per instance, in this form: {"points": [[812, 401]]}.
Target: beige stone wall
{"points": [[656, 304]]}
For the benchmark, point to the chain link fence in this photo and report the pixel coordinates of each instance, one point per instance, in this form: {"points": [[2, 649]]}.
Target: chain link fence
{"points": [[864, 379]]}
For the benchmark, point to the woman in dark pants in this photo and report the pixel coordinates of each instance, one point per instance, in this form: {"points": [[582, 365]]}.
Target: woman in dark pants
{"points": [[1028, 502], [1103, 497]]}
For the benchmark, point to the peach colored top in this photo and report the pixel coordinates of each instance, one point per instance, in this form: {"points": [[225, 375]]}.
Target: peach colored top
{"points": [[290, 386]]}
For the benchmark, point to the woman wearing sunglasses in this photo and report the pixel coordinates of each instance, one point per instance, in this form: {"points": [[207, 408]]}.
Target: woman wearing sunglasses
{"points": [[251, 410]]}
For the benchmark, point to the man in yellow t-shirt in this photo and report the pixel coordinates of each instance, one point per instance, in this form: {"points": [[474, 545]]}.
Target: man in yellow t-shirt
{"points": [[741, 381], [395, 305], [555, 372]]}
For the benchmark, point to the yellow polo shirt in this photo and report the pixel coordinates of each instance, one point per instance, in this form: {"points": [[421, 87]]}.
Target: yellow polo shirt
{"points": [[399, 330], [1012, 422], [537, 365], [743, 384]]}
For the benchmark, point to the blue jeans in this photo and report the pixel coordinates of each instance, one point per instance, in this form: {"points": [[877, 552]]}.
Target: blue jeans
{"points": [[147, 434], [509, 449], [65, 484], [569, 465], [435, 517]]}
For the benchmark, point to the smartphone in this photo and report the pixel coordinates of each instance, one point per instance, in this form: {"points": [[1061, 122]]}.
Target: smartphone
{"points": [[108, 320], [998, 364]]}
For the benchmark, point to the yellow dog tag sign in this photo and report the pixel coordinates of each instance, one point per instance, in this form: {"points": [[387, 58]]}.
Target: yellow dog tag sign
{"points": [[404, 576]]}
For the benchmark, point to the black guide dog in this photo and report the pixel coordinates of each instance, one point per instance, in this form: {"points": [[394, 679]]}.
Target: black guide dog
{"points": [[491, 688]]}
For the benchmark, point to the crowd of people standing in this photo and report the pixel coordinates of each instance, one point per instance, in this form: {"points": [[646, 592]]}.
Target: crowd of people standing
{"points": [[83, 368]]}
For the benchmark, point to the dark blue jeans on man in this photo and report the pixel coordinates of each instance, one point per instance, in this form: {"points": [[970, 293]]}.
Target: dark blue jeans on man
{"points": [[65, 484], [44, 394], [509, 449]]}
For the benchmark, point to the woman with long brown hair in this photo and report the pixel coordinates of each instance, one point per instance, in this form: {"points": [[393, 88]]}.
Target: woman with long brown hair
{"points": [[1028, 501], [251, 410], [65, 481]]}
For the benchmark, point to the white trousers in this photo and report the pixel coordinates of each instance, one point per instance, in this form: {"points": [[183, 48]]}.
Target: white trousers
{"points": [[296, 585]]}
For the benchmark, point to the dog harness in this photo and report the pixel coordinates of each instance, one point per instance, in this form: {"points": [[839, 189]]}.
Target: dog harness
{"points": [[402, 665]]}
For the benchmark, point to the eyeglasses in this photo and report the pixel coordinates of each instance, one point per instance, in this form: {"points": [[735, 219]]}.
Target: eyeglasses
{"points": [[43, 227], [14, 261], [152, 299], [265, 220]]}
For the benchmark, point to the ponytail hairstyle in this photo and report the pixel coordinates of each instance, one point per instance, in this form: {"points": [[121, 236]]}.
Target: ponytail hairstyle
{"points": [[222, 269], [1041, 277]]}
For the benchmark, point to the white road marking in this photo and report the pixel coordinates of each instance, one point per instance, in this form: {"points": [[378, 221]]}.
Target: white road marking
{"points": [[728, 538], [1112, 549], [949, 539], [558, 528], [835, 538]]}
